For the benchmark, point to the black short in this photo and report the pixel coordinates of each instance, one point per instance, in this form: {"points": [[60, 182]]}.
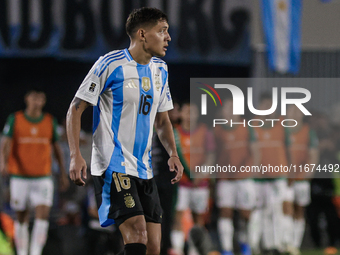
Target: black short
{"points": [[121, 196]]}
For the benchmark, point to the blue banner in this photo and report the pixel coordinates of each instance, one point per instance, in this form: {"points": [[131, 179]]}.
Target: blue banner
{"points": [[202, 31]]}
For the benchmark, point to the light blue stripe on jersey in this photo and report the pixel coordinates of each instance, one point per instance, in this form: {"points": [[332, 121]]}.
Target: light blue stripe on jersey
{"points": [[118, 98], [96, 116], [143, 122], [104, 209], [164, 77], [104, 61]]}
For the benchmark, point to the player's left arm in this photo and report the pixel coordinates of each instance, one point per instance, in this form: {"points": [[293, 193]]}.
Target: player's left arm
{"points": [[63, 181], [59, 156], [166, 136]]}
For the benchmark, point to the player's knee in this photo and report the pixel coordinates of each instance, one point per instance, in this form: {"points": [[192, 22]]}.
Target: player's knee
{"points": [[139, 231], [153, 247], [226, 212]]}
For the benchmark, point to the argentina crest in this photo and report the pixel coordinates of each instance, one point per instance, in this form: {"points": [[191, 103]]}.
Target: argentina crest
{"points": [[146, 84]]}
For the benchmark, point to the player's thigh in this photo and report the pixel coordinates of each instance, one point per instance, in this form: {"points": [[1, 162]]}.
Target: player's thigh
{"points": [[199, 200], [183, 198], [225, 194], [149, 198], [19, 193], [245, 195], [302, 193], [42, 192]]}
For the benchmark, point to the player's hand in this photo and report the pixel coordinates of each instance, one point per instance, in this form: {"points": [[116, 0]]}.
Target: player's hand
{"points": [[175, 165], [78, 170]]}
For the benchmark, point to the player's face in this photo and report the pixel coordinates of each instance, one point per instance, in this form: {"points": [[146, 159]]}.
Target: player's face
{"points": [[157, 39], [35, 100]]}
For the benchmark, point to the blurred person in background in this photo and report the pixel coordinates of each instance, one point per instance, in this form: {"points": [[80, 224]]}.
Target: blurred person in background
{"points": [[29, 139], [323, 187], [195, 146], [303, 152], [235, 146], [267, 219], [163, 177]]}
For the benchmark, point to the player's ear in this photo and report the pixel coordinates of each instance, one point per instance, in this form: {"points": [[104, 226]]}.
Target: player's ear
{"points": [[141, 34]]}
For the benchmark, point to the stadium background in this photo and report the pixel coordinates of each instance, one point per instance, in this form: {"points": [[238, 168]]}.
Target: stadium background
{"points": [[52, 44]]}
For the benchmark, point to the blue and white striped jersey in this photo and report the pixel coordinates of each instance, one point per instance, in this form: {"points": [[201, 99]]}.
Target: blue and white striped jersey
{"points": [[126, 97]]}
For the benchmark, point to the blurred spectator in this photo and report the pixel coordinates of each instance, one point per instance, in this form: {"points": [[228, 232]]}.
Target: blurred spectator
{"points": [[195, 146], [163, 177], [267, 218], [303, 153], [26, 149], [322, 190], [237, 147]]}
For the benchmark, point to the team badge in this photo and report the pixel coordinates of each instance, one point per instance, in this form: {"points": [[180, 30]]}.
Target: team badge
{"points": [[129, 201], [92, 87], [146, 84]]}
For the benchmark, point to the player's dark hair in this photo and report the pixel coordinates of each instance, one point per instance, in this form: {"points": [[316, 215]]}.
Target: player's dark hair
{"points": [[143, 16], [35, 90], [186, 101]]}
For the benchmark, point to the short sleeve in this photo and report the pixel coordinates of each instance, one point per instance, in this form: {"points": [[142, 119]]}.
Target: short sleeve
{"points": [[9, 126], [165, 102], [94, 82]]}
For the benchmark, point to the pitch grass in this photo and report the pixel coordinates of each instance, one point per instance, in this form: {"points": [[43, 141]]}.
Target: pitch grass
{"points": [[312, 252]]}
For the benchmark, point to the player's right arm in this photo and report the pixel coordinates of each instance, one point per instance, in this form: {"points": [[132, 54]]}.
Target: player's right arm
{"points": [[6, 143], [73, 126]]}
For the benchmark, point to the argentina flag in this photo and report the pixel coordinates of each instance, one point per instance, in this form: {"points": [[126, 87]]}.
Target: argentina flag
{"points": [[282, 29]]}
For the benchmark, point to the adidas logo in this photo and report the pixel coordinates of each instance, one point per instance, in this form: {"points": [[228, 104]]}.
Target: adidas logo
{"points": [[131, 84]]}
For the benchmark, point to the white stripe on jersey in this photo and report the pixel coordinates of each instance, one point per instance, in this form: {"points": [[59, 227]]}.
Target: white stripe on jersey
{"points": [[127, 134]]}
